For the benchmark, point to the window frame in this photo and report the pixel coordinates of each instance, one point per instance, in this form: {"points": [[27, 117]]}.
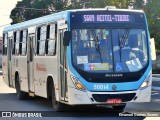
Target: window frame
{"points": [[46, 40], [4, 52], [22, 42], [54, 39], [17, 42], [39, 36]]}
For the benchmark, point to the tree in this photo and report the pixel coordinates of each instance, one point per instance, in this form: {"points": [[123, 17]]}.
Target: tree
{"points": [[30, 9], [137, 4], [117, 3], [152, 11], [17, 15]]}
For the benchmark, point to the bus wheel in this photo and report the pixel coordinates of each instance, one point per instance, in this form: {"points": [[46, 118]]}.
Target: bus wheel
{"points": [[57, 106], [20, 94], [119, 107]]}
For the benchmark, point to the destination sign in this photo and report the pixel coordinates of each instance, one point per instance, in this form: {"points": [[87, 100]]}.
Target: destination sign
{"points": [[107, 18]]}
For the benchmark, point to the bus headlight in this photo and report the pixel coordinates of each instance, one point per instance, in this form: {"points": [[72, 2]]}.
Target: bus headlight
{"points": [[146, 82], [77, 83]]}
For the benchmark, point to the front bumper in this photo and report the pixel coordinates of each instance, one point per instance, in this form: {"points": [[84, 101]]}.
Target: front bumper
{"points": [[77, 97]]}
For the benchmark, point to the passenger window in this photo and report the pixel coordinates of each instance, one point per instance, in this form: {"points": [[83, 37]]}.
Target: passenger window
{"points": [[24, 43], [5, 38], [38, 38], [41, 37], [14, 44], [51, 40], [20, 43], [17, 43]]}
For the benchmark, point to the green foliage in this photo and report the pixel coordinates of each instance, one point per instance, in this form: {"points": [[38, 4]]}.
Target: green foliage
{"points": [[138, 4], [16, 20], [117, 3], [152, 10], [30, 9]]}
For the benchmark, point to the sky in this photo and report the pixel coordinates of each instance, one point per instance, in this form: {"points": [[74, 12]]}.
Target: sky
{"points": [[5, 9]]}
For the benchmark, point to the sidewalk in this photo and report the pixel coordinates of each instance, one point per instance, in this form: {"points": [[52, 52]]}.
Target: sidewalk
{"points": [[4, 88]]}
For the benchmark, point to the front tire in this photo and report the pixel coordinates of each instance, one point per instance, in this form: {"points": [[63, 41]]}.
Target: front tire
{"points": [[119, 107], [20, 94], [57, 106]]}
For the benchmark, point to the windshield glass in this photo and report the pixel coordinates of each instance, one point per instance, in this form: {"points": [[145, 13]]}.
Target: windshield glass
{"points": [[130, 49], [106, 50]]}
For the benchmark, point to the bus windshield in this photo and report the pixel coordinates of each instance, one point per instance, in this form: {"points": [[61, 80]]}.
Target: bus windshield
{"points": [[109, 50]]}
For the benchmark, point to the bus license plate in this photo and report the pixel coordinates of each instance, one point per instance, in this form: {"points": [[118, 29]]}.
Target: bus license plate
{"points": [[114, 101]]}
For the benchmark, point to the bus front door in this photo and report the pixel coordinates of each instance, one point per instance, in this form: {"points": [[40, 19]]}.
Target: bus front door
{"points": [[10, 61], [30, 63], [63, 63]]}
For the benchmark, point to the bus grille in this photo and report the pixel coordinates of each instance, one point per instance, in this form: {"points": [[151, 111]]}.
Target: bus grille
{"points": [[104, 97]]}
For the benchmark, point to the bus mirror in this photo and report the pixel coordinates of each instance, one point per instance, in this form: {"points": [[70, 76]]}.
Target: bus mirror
{"points": [[153, 50], [66, 38]]}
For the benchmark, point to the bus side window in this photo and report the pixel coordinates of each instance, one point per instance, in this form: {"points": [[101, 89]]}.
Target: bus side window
{"points": [[20, 42], [51, 40], [5, 44], [24, 43], [46, 44], [38, 38], [17, 42], [14, 44], [41, 41]]}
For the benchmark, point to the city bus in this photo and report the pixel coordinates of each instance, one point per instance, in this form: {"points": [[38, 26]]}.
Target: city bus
{"points": [[80, 57]]}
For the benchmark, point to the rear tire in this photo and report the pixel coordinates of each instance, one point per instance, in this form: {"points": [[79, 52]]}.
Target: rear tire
{"points": [[57, 106], [119, 107], [20, 94]]}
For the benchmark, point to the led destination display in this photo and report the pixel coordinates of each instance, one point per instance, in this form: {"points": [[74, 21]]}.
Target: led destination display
{"points": [[107, 18]]}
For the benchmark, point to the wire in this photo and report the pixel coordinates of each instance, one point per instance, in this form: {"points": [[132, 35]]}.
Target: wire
{"points": [[29, 8], [4, 25], [36, 9]]}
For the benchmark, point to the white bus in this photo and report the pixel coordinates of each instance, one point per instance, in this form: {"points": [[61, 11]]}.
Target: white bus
{"points": [[80, 57]]}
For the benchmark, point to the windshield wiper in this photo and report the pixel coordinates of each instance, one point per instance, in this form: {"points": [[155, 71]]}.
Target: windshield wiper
{"points": [[97, 46], [123, 41]]}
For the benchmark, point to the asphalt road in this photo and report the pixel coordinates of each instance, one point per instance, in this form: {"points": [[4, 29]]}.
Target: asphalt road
{"points": [[153, 106], [10, 103]]}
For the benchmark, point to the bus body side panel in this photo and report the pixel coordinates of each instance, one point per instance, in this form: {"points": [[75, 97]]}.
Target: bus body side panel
{"points": [[22, 70], [5, 69], [44, 66]]}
